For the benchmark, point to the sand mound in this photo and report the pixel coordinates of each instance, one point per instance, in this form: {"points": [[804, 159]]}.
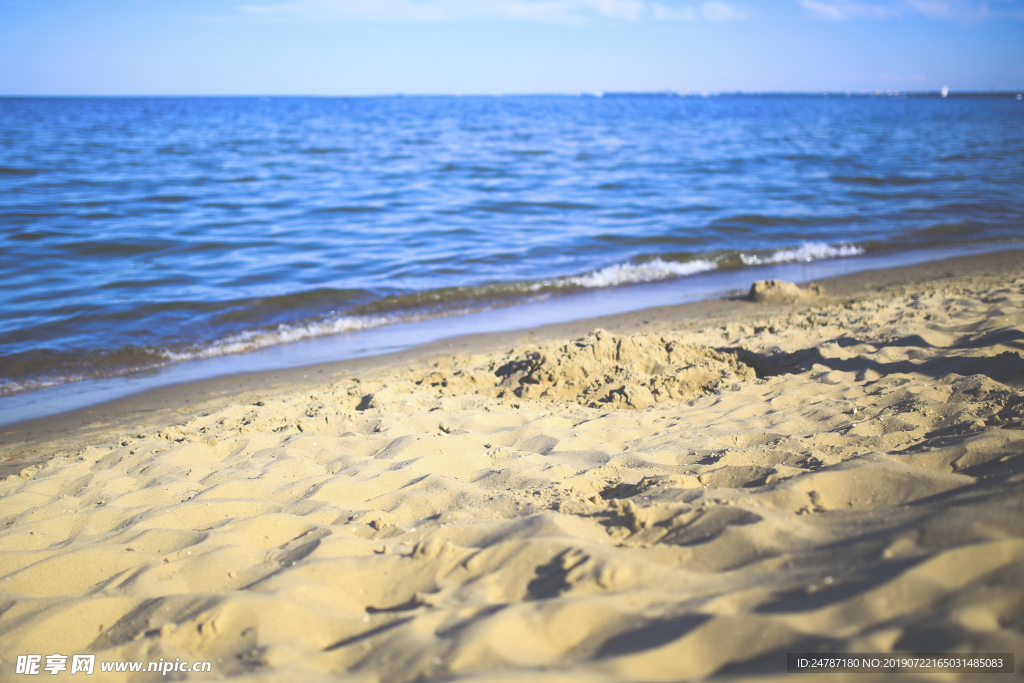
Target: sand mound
{"points": [[607, 370], [781, 292]]}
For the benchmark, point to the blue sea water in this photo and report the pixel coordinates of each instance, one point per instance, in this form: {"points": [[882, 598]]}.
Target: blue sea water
{"points": [[138, 233]]}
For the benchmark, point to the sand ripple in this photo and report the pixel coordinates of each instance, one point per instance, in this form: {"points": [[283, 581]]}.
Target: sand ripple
{"points": [[618, 507]]}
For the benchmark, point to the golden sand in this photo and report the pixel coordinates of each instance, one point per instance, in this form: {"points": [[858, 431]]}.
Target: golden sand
{"points": [[662, 503]]}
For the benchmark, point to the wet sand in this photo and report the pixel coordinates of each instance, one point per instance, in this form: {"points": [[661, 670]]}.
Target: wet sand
{"points": [[662, 495]]}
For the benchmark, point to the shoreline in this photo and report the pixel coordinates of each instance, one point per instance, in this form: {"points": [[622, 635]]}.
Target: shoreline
{"points": [[547, 310], [685, 492], [166, 403]]}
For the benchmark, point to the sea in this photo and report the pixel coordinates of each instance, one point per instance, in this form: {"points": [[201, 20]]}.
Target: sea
{"points": [[154, 240]]}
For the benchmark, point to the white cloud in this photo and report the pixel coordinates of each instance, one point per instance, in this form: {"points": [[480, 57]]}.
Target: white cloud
{"points": [[547, 11], [720, 11], [842, 10], [665, 13], [932, 8]]}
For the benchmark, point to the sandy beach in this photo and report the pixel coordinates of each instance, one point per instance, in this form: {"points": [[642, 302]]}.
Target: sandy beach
{"points": [[671, 494]]}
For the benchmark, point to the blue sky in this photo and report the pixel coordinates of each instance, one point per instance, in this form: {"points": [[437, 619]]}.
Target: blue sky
{"points": [[361, 47]]}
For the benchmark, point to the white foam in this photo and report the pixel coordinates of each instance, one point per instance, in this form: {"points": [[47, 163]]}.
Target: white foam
{"points": [[649, 271], [808, 251], [251, 340], [8, 387], [11, 387]]}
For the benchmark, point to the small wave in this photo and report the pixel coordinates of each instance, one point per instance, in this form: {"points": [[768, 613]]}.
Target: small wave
{"points": [[8, 387], [38, 370], [167, 198], [943, 229], [348, 209], [808, 251], [251, 340], [759, 220], [875, 181], [532, 207], [7, 170], [284, 333], [650, 271]]}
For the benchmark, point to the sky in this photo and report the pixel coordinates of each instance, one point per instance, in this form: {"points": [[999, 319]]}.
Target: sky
{"points": [[381, 47]]}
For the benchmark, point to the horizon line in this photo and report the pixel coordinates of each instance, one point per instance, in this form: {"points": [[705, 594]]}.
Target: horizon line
{"points": [[582, 93]]}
